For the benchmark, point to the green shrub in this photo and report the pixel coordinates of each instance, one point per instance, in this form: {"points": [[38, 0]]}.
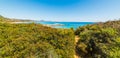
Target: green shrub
{"points": [[35, 41], [99, 40]]}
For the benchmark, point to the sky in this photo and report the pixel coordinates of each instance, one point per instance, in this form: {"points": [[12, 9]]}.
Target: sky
{"points": [[61, 10]]}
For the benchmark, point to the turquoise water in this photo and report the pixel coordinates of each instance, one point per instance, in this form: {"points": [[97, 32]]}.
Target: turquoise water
{"points": [[65, 24]]}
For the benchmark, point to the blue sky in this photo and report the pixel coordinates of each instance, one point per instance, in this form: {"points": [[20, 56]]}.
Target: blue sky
{"points": [[61, 10]]}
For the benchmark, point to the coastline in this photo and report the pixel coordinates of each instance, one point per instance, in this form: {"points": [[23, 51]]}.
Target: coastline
{"points": [[64, 25]]}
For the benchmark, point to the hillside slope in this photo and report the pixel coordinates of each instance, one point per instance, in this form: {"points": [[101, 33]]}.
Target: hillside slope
{"points": [[4, 19]]}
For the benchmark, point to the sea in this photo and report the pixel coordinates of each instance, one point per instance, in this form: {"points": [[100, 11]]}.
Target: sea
{"points": [[66, 25]]}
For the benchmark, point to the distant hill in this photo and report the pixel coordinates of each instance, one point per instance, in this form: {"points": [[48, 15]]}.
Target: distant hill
{"points": [[4, 19]]}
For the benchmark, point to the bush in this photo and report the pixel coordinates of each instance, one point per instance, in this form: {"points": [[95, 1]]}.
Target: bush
{"points": [[35, 41], [99, 40]]}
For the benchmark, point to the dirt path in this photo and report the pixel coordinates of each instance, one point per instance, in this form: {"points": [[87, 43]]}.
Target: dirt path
{"points": [[76, 40]]}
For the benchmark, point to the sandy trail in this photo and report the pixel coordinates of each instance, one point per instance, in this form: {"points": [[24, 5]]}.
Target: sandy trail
{"points": [[76, 40]]}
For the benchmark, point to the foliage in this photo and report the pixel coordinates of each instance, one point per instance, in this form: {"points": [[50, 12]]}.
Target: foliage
{"points": [[35, 41], [99, 40]]}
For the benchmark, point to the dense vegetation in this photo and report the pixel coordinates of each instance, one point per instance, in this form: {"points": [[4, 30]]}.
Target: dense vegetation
{"points": [[35, 41], [101, 40]]}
